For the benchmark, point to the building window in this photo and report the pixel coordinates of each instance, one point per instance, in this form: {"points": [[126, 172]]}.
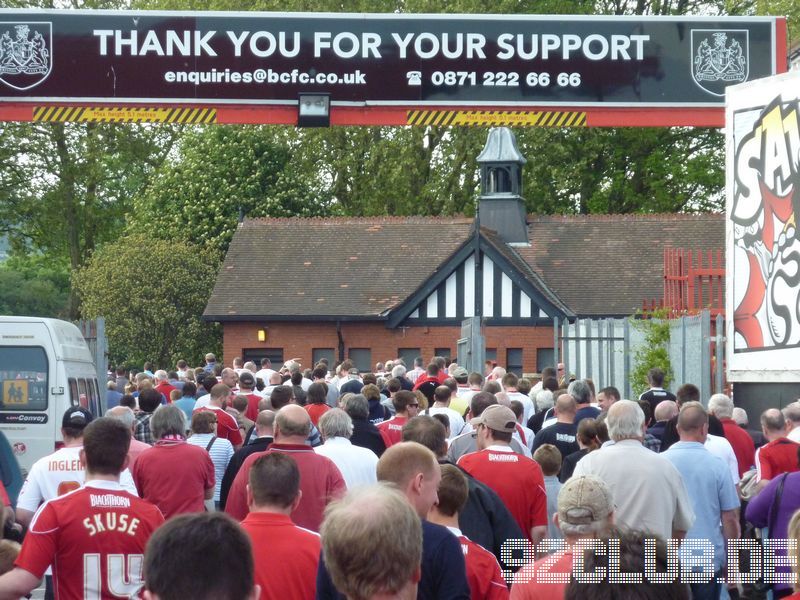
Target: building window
{"points": [[443, 352], [491, 354], [318, 354], [514, 361], [256, 354], [362, 359], [545, 357], [409, 355]]}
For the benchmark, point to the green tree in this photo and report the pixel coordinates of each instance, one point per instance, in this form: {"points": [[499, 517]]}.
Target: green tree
{"points": [[34, 286], [65, 187], [220, 171], [152, 294]]}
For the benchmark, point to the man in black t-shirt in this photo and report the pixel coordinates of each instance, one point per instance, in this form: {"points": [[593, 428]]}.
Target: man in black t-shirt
{"points": [[656, 393], [563, 433]]}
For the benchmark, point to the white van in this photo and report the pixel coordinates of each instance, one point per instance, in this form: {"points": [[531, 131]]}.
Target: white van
{"points": [[45, 367]]}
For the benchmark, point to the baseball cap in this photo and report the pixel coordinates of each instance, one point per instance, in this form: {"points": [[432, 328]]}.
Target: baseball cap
{"points": [[76, 417], [498, 418], [353, 371], [246, 378], [584, 500], [460, 372]]}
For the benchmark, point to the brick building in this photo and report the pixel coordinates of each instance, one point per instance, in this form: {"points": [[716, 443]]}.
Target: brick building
{"points": [[373, 289]]}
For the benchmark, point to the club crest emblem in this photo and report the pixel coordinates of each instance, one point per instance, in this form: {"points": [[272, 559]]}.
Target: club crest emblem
{"points": [[719, 58], [26, 54]]}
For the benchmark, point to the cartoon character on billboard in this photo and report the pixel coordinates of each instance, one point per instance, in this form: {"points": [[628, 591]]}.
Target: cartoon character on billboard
{"points": [[766, 260]]}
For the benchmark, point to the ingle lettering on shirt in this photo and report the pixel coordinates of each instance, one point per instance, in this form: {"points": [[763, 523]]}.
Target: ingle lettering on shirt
{"points": [[109, 501], [394, 427], [465, 549], [65, 465], [111, 521], [565, 437], [505, 457]]}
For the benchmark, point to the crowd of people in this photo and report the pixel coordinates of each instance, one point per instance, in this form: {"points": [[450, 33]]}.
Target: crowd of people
{"points": [[410, 481]]}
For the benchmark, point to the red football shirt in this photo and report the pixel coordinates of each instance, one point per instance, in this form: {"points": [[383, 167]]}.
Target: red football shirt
{"points": [[227, 427], [252, 406], [777, 457], [392, 430], [286, 556], [518, 481], [165, 389], [95, 538], [742, 444], [320, 481], [174, 476], [315, 411], [4, 499], [483, 572]]}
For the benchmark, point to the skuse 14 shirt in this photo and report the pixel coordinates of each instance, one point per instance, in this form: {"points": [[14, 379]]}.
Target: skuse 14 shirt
{"points": [[95, 538]]}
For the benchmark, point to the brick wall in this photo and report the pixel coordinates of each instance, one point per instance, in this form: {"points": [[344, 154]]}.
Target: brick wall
{"points": [[299, 339]]}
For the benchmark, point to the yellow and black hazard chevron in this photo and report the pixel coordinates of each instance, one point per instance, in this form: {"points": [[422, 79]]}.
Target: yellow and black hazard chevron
{"points": [[124, 114], [474, 118]]}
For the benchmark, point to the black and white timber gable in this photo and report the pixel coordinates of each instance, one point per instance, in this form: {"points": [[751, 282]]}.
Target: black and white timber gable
{"points": [[491, 286]]}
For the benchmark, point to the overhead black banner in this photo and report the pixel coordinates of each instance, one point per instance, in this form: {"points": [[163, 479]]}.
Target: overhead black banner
{"points": [[380, 59]]}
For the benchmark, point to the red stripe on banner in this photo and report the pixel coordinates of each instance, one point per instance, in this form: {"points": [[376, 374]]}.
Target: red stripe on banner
{"points": [[398, 115]]}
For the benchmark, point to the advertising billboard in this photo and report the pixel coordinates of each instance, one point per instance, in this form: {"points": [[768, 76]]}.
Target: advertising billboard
{"points": [[383, 61], [762, 238]]}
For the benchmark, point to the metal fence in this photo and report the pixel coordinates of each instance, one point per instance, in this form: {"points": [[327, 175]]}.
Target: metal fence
{"points": [[94, 332], [604, 351]]}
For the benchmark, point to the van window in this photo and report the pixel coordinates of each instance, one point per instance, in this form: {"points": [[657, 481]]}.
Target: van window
{"points": [[83, 394], [73, 391], [23, 378], [94, 398]]}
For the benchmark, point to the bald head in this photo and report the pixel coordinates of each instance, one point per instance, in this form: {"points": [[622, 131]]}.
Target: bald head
{"points": [[292, 424], [264, 422], [124, 414], [566, 406], [773, 424], [693, 422], [665, 410]]}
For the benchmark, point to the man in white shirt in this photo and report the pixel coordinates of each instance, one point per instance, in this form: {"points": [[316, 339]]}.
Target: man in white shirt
{"points": [[266, 370], [417, 371], [61, 471], [791, 412], [357, 464], [441, 405], [274, 381], [510, 381], [648, 490], [719, 446]]}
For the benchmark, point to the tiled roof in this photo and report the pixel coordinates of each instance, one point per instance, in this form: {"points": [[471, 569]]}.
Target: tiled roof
{"points": [[362, 268], [609, 264], [334, 267]]}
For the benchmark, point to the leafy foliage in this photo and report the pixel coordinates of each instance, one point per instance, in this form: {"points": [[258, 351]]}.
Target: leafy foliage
{"points": [[152, 294], [654, 352], [216, 173], [66, 187], [34, 286]]}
